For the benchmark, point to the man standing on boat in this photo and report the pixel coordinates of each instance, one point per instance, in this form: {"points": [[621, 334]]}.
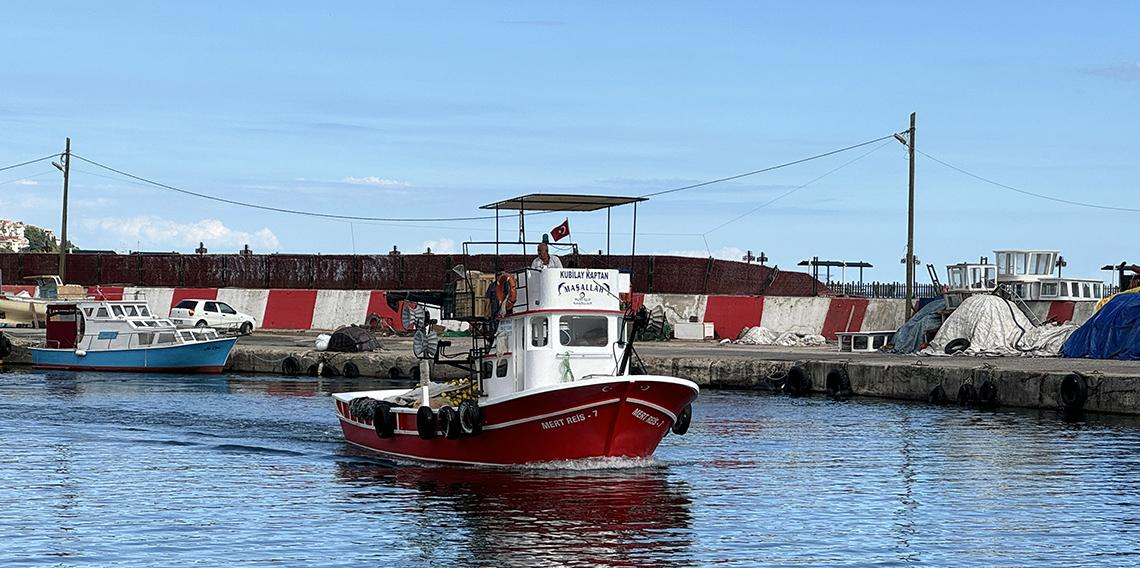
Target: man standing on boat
{"points": [[545, 259]]}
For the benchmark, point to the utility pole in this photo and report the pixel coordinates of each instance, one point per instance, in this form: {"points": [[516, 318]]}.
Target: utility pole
{"points": [[910, 226], [66, 169]]}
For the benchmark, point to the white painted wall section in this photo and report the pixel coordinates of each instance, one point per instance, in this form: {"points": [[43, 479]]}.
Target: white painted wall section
{"points": [[884, 314], [336, 308], [798, 315], [678, 308]]}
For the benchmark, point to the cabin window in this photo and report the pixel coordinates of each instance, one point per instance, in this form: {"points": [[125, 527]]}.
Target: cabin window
{"points": [[1003, 263], [539, 331], [132, 311], [165, 338], [1076, 290], [88, 311], [584, 331], [1042, 264], [488, 369], [956, 278], [102, 313], [1096, 290], [991, 278], [187, 336], [1049, 290], [501, 369], [145, 338], [1088, 292], [144, 312], [117, 310]]}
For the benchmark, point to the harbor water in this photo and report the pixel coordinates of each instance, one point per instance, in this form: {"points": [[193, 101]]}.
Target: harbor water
{"points": [[157, 470]]}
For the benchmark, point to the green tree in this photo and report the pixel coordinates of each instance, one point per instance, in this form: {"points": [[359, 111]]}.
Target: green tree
{"points": [[40, 240]]}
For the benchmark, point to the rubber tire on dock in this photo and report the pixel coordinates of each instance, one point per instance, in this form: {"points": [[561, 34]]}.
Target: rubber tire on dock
{"points": [[957, 346], [937, 396], [449, 423], [988, 395], [470, 417], [5, 346], [384, 420], [394, 374], [797, 382], [290, 366], [838, 384], [1073, 392], [425, 422], [684, 418], [350, 370], [967, 395]]}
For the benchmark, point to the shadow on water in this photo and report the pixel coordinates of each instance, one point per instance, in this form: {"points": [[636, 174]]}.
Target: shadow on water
{"points": [[539, 517]]}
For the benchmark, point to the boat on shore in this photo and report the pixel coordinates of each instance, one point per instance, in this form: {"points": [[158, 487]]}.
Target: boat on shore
{"points": [[124, 335], [552, 375], [23, 309]]}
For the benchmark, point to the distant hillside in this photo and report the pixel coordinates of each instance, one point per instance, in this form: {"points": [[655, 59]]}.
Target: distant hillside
{"points": [[17, 236]]}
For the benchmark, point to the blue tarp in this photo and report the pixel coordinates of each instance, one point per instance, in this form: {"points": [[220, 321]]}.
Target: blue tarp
{"points": [[1113, 332], [910, 337]]}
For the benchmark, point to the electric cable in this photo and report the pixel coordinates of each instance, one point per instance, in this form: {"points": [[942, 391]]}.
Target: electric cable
{"points": [[48, 157]]}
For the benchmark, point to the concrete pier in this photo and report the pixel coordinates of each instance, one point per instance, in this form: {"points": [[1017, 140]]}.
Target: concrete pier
{"points": [[1112, 386]]}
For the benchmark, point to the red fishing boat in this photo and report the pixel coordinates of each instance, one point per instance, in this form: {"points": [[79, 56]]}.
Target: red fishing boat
{"points": [[553, 376]]}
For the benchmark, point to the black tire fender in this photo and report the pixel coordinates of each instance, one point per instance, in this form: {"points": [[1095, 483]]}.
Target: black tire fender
{"points": [[449, 423], [1073, 391], [384, 420], [797, 382], [684, 418], [350, 370], [5, 346], [425, 422], [838, 383], [937, 396], [470, 417], [967, 394], [290, 366], [988, 395]]}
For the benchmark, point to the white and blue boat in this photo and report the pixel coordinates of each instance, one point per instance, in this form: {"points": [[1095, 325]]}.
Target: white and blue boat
{"points": [[125, 336]]}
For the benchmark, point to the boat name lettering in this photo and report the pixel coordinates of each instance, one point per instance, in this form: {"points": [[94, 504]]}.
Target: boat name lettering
{"points": [[584, 273], [646, 417], [559, 422], [567, 287]]}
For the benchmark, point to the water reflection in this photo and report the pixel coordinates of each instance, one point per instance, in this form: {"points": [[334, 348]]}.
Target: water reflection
{"points": [[535, 517]]}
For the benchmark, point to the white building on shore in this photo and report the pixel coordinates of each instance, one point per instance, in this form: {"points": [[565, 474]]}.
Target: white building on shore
{"points": [[12, 237]]}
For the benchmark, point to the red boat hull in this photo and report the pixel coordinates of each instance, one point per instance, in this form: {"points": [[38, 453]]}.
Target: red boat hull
{"points": [[613, 417]]}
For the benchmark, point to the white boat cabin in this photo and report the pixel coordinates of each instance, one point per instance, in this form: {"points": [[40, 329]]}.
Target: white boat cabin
{"points": [[565, 326], [114, 325], [1026, 272]]}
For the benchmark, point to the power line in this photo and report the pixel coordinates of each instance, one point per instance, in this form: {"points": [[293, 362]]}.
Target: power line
{"points": [[768, 169], [281, 209], [48, 157], [41, 174], [1030, 193], [794, 189]]}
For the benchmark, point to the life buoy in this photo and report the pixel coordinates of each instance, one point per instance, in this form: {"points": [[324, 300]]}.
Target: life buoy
{"points": [[425, 422], [1073, 392], [449, 423], [506, 290], [384, 420], [684, 418], [470, 417]]}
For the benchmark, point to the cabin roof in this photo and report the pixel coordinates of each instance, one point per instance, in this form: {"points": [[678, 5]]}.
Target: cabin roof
{"points": [[562, 202]]}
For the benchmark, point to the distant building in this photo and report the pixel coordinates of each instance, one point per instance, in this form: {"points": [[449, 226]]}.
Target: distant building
{"points": [[12, 237]]}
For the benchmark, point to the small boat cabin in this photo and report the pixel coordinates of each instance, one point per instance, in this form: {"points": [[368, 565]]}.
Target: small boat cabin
{"points": [[113, 325], [1026, 272], [566, 324]]}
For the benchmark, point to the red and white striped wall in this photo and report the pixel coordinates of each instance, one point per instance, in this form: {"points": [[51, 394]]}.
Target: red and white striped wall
{"points": [[329, 309]]}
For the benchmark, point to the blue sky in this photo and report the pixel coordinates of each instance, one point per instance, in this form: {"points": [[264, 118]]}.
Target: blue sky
{"points": [[432, 109]]}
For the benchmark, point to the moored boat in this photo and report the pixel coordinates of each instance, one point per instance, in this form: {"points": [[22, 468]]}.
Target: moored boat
{"points": [[125, 336]]}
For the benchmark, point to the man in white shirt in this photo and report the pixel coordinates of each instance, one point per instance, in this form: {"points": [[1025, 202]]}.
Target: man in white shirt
{"points": [[545, 259]]}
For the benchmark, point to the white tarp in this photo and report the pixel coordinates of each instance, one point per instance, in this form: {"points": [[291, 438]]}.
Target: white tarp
{"points": [[763, 336], [995, 326]]}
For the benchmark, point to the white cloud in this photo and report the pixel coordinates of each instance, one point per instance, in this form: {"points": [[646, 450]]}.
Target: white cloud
{"points": [[376, 181], [442, 246], [150, 231], [26, 182], [724, 253]]}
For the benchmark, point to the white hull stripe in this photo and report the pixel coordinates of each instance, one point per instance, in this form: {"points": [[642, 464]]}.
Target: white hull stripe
{"points": [[423, 459], [671, 416], [520, 420]]}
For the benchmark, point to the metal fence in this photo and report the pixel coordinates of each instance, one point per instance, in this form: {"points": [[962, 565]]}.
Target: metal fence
{"points": [[884, 290]]}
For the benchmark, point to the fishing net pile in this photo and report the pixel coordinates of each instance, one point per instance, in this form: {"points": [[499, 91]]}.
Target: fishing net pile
{"points": [[760, 335], [994, 326]]}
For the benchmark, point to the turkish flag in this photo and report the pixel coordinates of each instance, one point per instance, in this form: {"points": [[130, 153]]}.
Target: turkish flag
{"points": [[562, 231]]}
